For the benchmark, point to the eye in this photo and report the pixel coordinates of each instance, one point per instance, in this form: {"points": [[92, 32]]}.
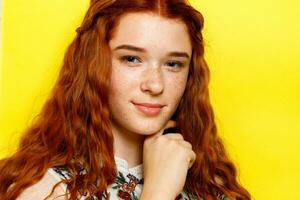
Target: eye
{"points": [[175, 64], [130, 59]]}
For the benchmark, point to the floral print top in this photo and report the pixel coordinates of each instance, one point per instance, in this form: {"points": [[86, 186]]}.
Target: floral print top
{"points": [[128, 184]]}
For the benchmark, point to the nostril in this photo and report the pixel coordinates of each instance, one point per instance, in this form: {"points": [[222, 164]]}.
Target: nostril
{"points": [[155, 86]]}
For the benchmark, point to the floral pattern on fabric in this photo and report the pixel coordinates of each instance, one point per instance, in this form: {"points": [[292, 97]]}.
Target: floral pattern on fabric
{"points": [[221, 196], [180, 197], [128, 184], [63, 172], [126, 190]]}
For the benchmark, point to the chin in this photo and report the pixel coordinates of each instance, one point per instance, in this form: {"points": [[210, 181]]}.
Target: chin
{"points": [[147, 129], [146, 132]]}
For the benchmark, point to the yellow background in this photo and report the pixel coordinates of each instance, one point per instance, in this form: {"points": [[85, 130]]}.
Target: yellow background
{"points": [[252, 47]]}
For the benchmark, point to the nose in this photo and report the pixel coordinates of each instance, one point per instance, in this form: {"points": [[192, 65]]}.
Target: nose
{"points": [[152, 81]]}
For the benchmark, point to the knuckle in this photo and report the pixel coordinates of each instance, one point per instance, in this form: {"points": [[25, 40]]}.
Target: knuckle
{"points": [[189, 145], [173, 142], [194, 155], [161, 140], [174, 136], [178, 135]]}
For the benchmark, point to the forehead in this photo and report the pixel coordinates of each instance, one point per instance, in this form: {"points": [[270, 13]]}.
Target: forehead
{"points": [[151, 32]]}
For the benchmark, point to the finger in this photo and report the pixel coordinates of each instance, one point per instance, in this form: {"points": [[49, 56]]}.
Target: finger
{"points": [[186, 144], [174, 136], [192, 159], [183, 143], [169, 124]]}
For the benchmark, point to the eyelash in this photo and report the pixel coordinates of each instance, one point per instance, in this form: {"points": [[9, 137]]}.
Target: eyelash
{"points": [[125, 59]]}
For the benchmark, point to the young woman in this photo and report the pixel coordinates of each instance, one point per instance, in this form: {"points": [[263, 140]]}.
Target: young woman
{"points": [[135, 68]]}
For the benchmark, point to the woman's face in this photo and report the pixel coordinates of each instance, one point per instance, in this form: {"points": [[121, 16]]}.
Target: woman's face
{"points": [[150, 64]]}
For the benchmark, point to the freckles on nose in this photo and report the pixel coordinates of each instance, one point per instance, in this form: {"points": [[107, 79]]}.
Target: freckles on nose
{"points": [[152, 81]]}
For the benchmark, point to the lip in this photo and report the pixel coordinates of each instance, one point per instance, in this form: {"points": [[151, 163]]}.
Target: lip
{"points": [[148, 109]]}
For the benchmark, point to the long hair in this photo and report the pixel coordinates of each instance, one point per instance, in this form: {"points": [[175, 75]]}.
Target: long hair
{"points": [[73, 128]]}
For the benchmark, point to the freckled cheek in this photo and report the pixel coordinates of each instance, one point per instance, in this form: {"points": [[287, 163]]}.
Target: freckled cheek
{"points": [[122, 82], [175, 88]]}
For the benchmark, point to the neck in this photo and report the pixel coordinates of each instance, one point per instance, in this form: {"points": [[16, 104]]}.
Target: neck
{"points": [[128, 146]]}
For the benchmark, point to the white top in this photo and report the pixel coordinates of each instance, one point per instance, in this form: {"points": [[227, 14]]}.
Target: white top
{"points": [[128, 184]]}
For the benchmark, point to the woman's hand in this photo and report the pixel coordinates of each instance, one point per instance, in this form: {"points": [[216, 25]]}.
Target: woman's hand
{"points": [[166, 160]]}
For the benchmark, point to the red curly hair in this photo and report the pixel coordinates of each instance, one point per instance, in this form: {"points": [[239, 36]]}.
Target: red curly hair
{"points": [[73, 128]]}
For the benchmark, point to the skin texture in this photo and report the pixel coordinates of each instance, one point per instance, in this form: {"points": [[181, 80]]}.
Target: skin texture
{"points": [[151, 76]]}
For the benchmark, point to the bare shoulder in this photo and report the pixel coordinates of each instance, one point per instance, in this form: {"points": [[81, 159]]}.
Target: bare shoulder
{"points": [[43, 188]]}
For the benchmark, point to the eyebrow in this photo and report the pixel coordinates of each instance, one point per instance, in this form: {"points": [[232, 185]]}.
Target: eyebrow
{"points": [[139, 49]]}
